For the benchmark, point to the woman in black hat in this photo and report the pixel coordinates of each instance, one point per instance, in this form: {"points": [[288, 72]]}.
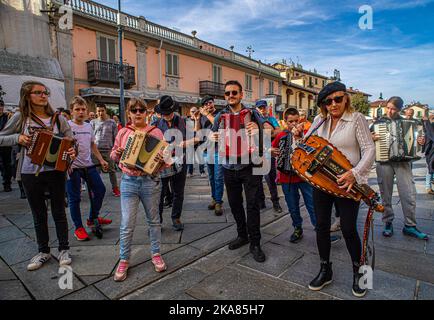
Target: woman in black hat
{"points": [[349, 132]]}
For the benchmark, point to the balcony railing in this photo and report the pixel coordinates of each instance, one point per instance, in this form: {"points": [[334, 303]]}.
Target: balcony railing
{"points": [[210, 88], [102, 12], [106, 72]]}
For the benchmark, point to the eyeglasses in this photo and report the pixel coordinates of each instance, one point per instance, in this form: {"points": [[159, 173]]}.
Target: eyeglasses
{"points": [[328, 102], [233, 92], [40, 93], [137, 110]]}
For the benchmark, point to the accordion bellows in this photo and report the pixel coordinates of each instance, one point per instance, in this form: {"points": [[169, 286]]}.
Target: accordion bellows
{"points": [[47, 149], [141, 151], [397, 140]]}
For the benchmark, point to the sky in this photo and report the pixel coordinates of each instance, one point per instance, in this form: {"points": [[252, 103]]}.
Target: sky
{"points": [[395, 57]]}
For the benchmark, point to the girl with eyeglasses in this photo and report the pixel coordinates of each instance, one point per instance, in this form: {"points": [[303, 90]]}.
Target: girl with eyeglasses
{"points": [[348, 131], [35, 112], [136, 186]]}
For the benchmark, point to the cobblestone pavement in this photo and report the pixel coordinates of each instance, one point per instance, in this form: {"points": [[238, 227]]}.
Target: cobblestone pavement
{"points": [[199, 264]]}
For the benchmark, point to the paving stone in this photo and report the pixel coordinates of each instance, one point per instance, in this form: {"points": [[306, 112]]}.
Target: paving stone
{"points": [[89, 280], [18, 250], [234, 284], [5, 272], [303, 270], [168, 235], [144, 274], [44, 283], [93, 260], [202, 216], [278, 226], [88, 293], [31, 233], [278, 259], [142, 253], [183, 296], [407, 263], [20, 220], [170, 286], [216, 240], [426, 291], [110, 237], [4, 222], [10, 233], [193, 231], [13, 290]]}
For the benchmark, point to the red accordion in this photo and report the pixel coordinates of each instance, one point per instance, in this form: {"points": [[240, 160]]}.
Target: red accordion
{"points": [[237, 144], [49, 150]]}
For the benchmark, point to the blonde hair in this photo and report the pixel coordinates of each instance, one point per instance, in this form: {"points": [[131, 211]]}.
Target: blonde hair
{"points": [[134, 102], [77, 100], [348, 107]]}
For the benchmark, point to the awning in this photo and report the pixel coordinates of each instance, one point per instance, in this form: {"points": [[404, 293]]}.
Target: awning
{"points": [[11, 84], [146, 95]]}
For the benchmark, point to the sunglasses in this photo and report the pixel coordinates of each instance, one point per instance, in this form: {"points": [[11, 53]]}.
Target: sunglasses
{"points": [[137, 110], [329, 102], [40, 93], [233, 92]]}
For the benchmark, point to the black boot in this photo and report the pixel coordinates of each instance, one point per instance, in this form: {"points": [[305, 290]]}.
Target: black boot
{"points": [[238, 243], [257, 253], [357, 291], [324, 277]]}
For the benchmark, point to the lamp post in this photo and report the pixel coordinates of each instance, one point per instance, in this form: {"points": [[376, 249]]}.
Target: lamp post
{"points": [[121, 69]]}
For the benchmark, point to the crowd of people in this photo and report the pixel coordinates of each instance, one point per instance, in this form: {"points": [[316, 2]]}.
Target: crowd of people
{"points": [[102, 141]]}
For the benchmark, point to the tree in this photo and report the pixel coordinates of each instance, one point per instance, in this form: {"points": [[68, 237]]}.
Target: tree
{"points": [[360, 103]]}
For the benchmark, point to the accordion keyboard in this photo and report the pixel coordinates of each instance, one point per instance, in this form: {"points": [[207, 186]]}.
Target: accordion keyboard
{"points": [[382, 146]]}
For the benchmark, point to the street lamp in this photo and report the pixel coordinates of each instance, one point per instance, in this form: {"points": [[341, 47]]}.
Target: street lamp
{"points": [[121, 69]]}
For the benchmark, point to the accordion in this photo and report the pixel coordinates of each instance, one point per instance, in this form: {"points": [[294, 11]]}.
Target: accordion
{"points": [[236, 142], [398, 140], [141, 151], [47, 149], [284, 159]]}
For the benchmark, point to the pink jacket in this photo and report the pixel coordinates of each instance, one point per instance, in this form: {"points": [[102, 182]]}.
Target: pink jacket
{"points": [[121, 141]]}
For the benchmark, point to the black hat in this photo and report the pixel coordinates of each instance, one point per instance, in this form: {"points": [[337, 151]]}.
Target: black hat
{"points": [[206, 99], [166, 105], [329, 89]]}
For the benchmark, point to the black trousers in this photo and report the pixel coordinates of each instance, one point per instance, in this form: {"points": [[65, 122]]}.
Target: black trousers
{"points": [[235, 182], [6, 168], [177, 185], [348, 209], [270, 178], [54, 182]]}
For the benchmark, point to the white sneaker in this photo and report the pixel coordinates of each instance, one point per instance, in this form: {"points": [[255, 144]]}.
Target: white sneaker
{"points": [[189, 175], [336, 226], [64, 258], [83, 187], [38, 260], [203, 175]]}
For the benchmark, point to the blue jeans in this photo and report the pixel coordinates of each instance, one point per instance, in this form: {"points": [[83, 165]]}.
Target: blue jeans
{"points": [[96, 190], [428, 179], [292, 198], [147, 191], [216, 180]]}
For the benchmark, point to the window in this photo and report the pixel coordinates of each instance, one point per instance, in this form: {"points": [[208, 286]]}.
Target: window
{"points": [[323, 83], [270, 87], [316, 81], [106, 48], [419, 114], [216, 73], [248, 82], [310, 82], [172, 64]]}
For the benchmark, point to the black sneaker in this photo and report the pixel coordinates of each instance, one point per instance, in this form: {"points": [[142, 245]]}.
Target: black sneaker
{"points": [[23, 195], [237, 243], [357, 291], [324, 277], [7, 188], [177, 225], [257, 252], [277, 207], [297, 235], [97, 229]]}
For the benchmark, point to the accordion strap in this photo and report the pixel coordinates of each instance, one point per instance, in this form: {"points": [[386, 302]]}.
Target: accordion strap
{"points": [[54, 119]]}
